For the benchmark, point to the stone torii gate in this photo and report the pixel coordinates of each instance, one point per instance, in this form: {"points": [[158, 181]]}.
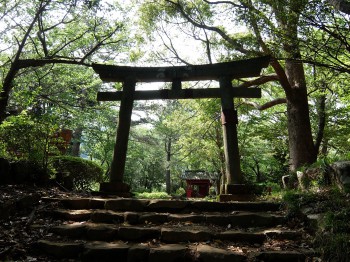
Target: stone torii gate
{"points": [[222, 72]]}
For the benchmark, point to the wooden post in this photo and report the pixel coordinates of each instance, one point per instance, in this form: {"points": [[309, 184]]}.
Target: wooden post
{"points": [[121, 145], [229, 124]]}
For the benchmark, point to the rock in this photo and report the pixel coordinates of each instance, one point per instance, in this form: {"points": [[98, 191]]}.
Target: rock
{"points": [[211, 254], [153, 218], [138, 233], [131, 217], [186, 218], [76, 203], [283, 234], [102, 251], [97, 203], [103, 232], [75, 230], [107, 216], [126, 204], [341, 172], [168, 253], [217, 219], [167, 205], [138, 253], [73, 215], [242, 237], [285, 256], [173, 235]]}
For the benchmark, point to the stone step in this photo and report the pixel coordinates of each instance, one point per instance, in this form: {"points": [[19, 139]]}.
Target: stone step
{"points": [[235, 219], [120, 251], [169, 206], [167, 234]]}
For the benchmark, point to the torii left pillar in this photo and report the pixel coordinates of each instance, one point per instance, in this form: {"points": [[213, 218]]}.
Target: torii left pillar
{"points": [[116, 184]]}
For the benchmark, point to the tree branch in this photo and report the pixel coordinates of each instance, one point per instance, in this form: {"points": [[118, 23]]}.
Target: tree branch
{"points": [[341, 5], [267, 105], [259, 81], [239, 47], [25, 63]]}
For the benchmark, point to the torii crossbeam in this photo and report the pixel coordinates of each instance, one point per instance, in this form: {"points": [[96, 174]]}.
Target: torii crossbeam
{"points": [[222, 72]]}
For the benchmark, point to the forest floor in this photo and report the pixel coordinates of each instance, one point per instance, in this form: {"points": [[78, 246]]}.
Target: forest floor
{"points": [[20, 206]]}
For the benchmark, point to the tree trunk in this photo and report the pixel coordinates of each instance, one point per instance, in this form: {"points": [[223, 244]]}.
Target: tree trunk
{"points": [[321, 111], [301, 147], [168, 158], [76, 141]]}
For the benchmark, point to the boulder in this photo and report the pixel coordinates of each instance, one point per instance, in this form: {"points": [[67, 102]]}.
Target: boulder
{"points": [[341, 175]]}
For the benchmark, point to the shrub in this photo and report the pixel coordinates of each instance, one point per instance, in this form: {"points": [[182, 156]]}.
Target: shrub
{"points": [[77, 173], [153, 195], [180, 192]]}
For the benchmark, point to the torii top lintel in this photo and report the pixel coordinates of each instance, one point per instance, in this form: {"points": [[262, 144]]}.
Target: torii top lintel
{"points": [[232, 70]]}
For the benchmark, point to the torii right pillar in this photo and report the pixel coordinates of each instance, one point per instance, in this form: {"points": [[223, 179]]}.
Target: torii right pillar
{"points": [[233, 189]]}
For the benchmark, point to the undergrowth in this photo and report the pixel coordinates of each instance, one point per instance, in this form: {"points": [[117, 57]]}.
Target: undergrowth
{"points": [[332, 237]]}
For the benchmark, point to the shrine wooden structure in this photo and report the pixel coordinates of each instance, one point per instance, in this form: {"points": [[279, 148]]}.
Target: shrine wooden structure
{"points": [[224, 73], [198, 183]]}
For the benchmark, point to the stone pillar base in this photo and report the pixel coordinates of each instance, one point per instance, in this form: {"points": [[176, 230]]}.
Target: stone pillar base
{"points": [[115, 188], [237, 192]]}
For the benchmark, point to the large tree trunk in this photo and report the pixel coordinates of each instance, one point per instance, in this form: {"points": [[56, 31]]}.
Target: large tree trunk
{"points": [[301, 147]]}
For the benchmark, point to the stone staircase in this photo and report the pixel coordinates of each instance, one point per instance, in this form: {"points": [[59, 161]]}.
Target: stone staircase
{"points": [[125, 229]]}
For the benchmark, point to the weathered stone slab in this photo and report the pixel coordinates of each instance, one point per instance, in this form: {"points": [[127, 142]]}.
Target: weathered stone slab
{"points": [[167, 205], [126, 204], [254, 206], [76, 203], [168, 253], [283, 234], [103, 232], [210, 206], [175, 235], [60, 250], [102, 251], [75, 230], [211, 254], [217, 219], [242, 237], [138, 253], [247, 219], [97, 203], [186, 218], [153, 218], [73, 215], [138, 233], [131, 217], [285, 256], [107, 216]]}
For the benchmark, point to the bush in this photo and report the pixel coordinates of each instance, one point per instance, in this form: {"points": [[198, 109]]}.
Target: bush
{"points": [[180, 192], [153, 195], [77, 173]]}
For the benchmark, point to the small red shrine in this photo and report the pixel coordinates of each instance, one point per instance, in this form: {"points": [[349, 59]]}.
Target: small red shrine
{"points": [[198, 183]]}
